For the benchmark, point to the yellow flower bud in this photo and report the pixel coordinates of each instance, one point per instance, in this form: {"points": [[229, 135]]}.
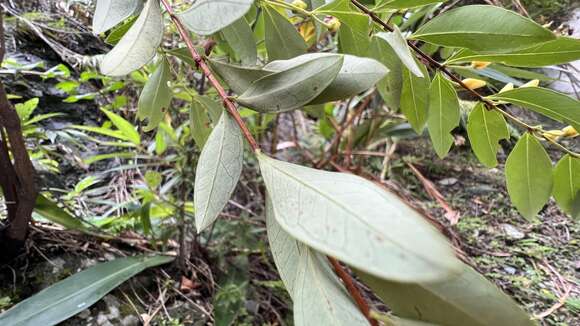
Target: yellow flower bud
{"points": [[333, 24], [299, 4], [479, 64], [473, 83], [569, 132], [553, 135], [531, 83], [307, 31], [507, 87]]}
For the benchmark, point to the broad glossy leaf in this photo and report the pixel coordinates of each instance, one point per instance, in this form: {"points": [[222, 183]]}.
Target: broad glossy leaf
{"points": [[485, 129], [567, 185], [109, 13], [155, 96], [405, 4], [199, 123], [240, 38], [292, 88], [528, 172], [76, 293], [218, 170], [559, 51], [390, 87], [238, 78], [483, 28], [550, 103], [399, 44], [415, 98], [282, 40], [463, 299], [318, 295], [443, 114], [354, 220], [206, 17], [124, 126], [50, 211], [138, 45]]}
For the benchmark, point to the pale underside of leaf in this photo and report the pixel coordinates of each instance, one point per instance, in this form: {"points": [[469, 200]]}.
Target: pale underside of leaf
{"points": [[206, 17], [399, 44], [109, 13]]}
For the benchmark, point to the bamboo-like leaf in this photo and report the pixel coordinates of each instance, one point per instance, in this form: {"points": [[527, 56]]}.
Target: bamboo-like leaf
{"points": [[483, 28], [282, 40], [399, 44], [50, 211], [78, 292], [528, 172], [390, 87], [415, 98], [319, 297], [485, 129], [124, 126], [109, 13], [240, 38], [463, 299], [552, 104], [138, 45], [354, 220], [206, 17], [155, 96], [443, 114], [292, 88], [218, 171], [199, 123], [567, 185]]}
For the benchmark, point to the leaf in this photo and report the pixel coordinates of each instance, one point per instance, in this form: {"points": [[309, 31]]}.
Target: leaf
{"points": [[214, 109], [483, 28], [399, 44], [138, 45], [390, 87], [352, 42], [155, 96], [443, 114], [218, 171], [466, 298], [124, 126], [567, 185], [199, 123], [292, 88], [415, 98], [109, 13], [238, 78], [528, 172], [240, 38], [281, 38], [76, 293], [354, 220], [485, 129], [206, 17], [318, 295], [550, 103], [405, 4], [50, 211], [117, 33], [25, 110]]}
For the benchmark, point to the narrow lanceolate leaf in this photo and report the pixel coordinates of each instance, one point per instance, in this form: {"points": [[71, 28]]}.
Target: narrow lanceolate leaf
{"points": [[406, 4], [238, 78], [443, 114], [319, 297], [567, 185], [138, 45], [528, 172], [415, 98], [354, 220], [218, 171], [155, 96], [292, 88], [282, 40], [399, 44], [485, 129], [552, 104], [559, 51], [124, 126], [240, 38], [206, 17], [466, 298], [199, 123], [78, 292], [483, 28], [50, 211], [109, 13], [390, 86]]}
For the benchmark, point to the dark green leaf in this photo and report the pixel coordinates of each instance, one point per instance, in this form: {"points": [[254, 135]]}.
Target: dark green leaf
{"points": [[50, 211], [282, 39], [240, 38], [485, 129], [443, 114]]}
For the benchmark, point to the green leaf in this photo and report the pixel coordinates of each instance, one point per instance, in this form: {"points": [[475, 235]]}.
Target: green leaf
{"points": [[567, 185], [50, 211], [199, 123], [485, 129], [78, 292], [342, 9], [218, 171], [292, 88], [528, 172], [405, 4], [238, 78], [206, 17], [352, 219], [443, 114], [281, 38], [559, 51], [466, 298], [124, 126], [138, 46], [483, 28], [117, 33], [399, 44], [550, 103], [415, 98], [105, 132], [214, 108], [155, 96], [318, 295], [109, 13], [240, 38], [390, 87], [25, 110]]}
